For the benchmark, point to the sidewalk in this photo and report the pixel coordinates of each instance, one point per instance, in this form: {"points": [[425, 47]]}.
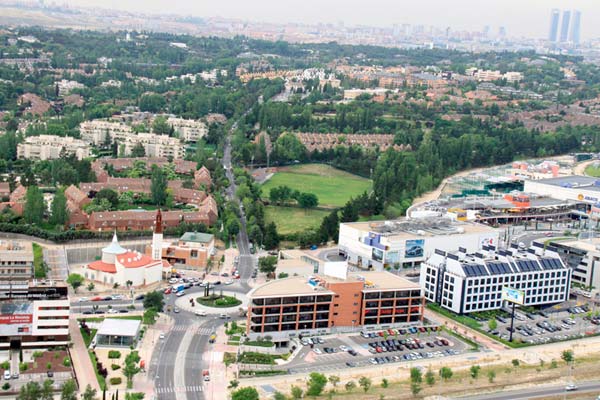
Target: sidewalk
{"points": [[81, 360], [216, 388]]}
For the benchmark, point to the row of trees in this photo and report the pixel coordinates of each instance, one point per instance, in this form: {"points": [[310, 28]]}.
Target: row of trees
{"points": [[284, 194]]}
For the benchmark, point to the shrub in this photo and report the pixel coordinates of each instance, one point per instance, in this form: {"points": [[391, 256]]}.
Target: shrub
{"points": [[115, 380], [6, 386], [23, 367], [115, 367], [67, 362], [114, 354], [48, 365], [5, 365], [37, 354]]}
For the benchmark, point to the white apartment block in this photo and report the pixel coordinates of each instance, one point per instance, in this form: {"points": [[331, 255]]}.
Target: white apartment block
{"points": [[65, 87], [49, 147], [188, 130], [96, 133], [489, 75], [465, 283]]}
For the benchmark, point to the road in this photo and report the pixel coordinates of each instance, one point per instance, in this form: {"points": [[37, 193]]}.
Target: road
{"points": [[543, 391], [177, 362]]}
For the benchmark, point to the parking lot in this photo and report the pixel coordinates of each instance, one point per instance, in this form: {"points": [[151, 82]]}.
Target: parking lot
{"points": [[546, 327], [376, 347]]}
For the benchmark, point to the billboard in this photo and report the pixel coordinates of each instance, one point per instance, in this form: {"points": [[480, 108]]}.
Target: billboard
{"points": [[16, 318], [513, 295], [392, 257], [377, 254], [414, 248], [336, 269]]}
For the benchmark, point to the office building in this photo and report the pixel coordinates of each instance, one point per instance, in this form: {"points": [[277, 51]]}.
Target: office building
{"points": [[575, 188], [554, 18], [574, 35], [336, 299], [16, 260], [50, 147], [465, 283], [564, 26], [407, 242], [583, 257]]}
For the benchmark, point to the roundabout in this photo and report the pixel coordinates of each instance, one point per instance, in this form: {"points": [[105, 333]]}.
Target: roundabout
{"points": [[184, 304]]}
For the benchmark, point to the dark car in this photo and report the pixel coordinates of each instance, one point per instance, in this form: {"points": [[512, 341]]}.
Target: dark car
{"points": [[217, 283], [351, 364], [140, 297], [123, 311], [352, 353], [87, 312], [107, 298], [98, 312], [50, 374]]}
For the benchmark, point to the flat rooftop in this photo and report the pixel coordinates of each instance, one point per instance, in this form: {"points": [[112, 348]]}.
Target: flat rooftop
{"points": [[16, 248], [424, 227], [374, 281], [574, 182], [586, 244], [119, 327]]}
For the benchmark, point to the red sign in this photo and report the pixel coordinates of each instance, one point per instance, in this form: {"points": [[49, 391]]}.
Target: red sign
{"points": [[11, 319]]}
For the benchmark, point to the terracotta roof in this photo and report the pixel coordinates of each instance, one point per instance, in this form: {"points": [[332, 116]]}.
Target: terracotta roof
{"points": [[102, 266], [133, 259]]}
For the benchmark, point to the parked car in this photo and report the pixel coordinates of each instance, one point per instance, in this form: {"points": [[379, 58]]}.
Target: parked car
{"points": [[200, 313], [7, 375]]}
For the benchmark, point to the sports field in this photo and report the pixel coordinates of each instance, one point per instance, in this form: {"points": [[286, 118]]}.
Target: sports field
{"points": [[332, 186], [293, 219]]}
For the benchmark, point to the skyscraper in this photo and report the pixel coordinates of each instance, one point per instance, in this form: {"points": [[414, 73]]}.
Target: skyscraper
{"points": [[564, 26], [575, 27], [554, 17]]}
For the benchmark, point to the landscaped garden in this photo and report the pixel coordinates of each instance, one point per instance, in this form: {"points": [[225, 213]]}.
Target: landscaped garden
{"points": [[219, 301]]}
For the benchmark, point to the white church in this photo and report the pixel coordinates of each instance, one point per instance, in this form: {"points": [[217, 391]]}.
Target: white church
{"points": [[119, 265]]}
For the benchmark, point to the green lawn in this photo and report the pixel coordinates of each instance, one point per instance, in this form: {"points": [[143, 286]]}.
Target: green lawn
{"points": [[38, 261], [292, 219], [593, 170], [332, 186]]}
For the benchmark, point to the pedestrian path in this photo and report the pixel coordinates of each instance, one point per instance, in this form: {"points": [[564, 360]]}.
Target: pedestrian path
{"points": [[182, 389], [193, 329]]}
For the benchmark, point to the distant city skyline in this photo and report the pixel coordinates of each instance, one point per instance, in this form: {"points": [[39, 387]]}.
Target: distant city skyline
{"points": [[520, 18]]}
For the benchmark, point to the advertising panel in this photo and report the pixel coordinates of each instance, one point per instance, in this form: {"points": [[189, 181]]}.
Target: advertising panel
{"points": [[392, 257], [16, 318], [377, 254], [414, 248], [336, 269], [513, 295]]}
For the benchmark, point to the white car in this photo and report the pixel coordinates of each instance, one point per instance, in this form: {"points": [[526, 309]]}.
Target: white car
{"points": [[229, 282], [161, 336], [570, 387], [112, 311], [200, 313], [82, 299], [179, 294], [344, 348], [173, 280], [317, 351], [118, 297]]}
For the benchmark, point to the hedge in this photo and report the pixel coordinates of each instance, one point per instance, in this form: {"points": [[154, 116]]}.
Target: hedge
{"points": [[115, 380]]}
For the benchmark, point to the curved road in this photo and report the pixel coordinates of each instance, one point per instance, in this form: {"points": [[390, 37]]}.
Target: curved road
{"points": [[543, 391]]}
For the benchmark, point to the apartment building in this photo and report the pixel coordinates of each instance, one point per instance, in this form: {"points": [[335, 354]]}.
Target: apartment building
{"points": [[155, 145], [335, 299], [465, 283], [16, 260], [583, 258], [139, 220], [408, 242], [65, 87], [98, 132], [49, 147], [33, 314], [188, 130], [191, 251]]}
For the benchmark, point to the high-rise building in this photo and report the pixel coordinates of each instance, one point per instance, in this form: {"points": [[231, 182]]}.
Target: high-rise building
{"points": [[502, 32], [564, 26], [574, 35], [554, 17]]}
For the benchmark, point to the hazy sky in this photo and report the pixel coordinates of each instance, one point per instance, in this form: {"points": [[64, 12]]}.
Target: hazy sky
{"points": [[520, 17]]}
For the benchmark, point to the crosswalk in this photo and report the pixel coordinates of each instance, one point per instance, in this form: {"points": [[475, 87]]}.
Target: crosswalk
{"points": [[182, 389], [193, 329]]}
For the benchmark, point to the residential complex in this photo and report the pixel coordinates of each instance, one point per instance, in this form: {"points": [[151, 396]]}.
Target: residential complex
{"points": [[188, 130], [49, 147], [334, 299], [466, 282], [16, 260], [408, 242], [323, 141]]}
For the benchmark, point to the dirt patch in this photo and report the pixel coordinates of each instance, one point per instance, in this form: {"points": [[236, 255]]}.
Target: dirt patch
{"points": [[55, 358]]}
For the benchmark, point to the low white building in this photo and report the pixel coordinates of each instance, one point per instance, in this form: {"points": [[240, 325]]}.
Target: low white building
{"points": [[50, 147], [408, 242], [188, 130]]}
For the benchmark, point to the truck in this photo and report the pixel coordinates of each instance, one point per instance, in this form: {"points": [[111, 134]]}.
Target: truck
{"points": [[178, 288]]}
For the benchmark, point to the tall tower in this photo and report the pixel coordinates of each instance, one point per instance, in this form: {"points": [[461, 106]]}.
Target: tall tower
{"points": [[564, 26], [574, 35], [157, 237], [553, 33]]}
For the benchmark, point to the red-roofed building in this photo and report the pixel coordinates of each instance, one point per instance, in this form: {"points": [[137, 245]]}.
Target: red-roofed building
{"points": [[202, 177]]}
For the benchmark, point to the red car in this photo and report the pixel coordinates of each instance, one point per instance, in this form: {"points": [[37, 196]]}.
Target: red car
{"points": [[97, 298], [168, 291]]}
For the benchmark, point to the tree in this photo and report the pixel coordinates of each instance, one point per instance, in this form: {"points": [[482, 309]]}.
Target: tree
{"points": [[110, 195], [131, 368], [75, 280], [271, 237], [492, 324], [491, 375], [247, 393], [34, 205], [30, 391], [364, 383], [334, 380], [415, 375], [160, 126], [69, 390], [308, 200], [385, 383], [415, 388], [60, 213], [91, 286], [350, 386], [296, 392], [267, 265], [138, 150], [474, 370], [152, 102], [89, 393], [316, 384], [567, 356], [515, 363], [154, 300], [430, 378], [446, 373], [279, 396], [158, 186]]}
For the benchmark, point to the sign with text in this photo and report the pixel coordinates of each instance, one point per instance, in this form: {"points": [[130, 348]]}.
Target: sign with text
{"points": [[513, 295], [16, 318]]}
